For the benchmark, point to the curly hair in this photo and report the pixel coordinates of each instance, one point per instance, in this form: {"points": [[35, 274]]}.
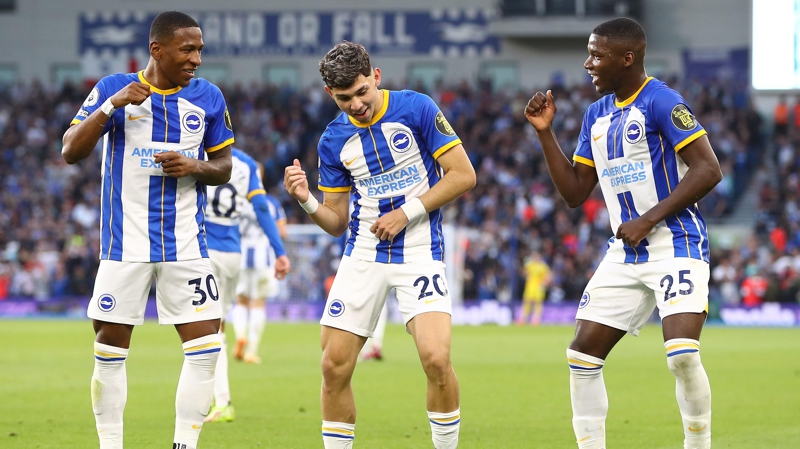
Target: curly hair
{"points": [[343, 63]]}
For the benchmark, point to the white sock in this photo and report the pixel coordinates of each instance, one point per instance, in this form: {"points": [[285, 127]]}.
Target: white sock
{"points": [[109, 393], [589, 399], [222, 389], [258, 317], [239, 320], [380, 329], [444, 429], [692, 390], [195, 389], [338, 435]]}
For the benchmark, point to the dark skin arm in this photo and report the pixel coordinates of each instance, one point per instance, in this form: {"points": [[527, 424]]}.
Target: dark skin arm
{"points": [[81, 138], [574, 181], [703, 174], [214, 172]]}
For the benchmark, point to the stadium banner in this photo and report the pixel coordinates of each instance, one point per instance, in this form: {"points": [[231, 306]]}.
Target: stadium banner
{"points": [[110, 41]]}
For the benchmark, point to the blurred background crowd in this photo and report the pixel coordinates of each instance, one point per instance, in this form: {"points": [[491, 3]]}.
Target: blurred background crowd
{"points": [[49, 211]]}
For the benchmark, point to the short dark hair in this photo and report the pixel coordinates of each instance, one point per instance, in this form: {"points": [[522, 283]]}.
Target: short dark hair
{"points": [[621, 29], [343, 63], [166, 23]]}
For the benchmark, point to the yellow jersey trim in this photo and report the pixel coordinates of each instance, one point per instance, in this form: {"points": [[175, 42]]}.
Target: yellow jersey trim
{"points": [[75, 122], [220, 146], [378, 115], [256, 192], [583, 160], [622, 104], [689, 140], [334, 189], [155, 89], [446, 147]]}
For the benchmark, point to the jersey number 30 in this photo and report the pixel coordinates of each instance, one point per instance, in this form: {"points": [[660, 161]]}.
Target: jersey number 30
{"points": [[211, 287]]}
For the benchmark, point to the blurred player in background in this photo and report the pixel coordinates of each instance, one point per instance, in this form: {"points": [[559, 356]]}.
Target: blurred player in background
{"points": [[373, 348], [388, 149], [257, 281], [653, 162], [224, 242], [158, 126], [537, 279]]}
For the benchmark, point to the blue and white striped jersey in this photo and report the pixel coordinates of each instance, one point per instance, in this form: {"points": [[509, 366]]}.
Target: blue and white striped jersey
{"points": [[226, 201], [147, 216], [634, 147], [385, 162], [257, 252]]}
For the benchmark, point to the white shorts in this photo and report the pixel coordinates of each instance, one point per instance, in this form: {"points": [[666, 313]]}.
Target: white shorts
{"points": [[360, 287], [623, 295], [226, 267], [258, 283], [186, 291]]}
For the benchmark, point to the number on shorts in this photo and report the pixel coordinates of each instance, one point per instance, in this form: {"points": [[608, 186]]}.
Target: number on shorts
{"points": [[211, 286], [682, 279], [424, 293]]}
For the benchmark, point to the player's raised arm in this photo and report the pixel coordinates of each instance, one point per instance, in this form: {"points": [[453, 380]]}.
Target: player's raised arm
{"points": [[81, 138], [573, 181], [331, 215]]}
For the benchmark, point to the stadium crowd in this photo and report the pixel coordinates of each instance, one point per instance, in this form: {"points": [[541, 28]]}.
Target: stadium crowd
{"points": [[49, 210]]}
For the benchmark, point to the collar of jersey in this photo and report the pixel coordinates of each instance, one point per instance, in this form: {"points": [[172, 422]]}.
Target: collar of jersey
{"points": [[377, 116], [154, 88], [622, 104]]}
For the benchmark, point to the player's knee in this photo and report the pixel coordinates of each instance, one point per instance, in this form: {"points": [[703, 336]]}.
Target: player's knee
{"points": [[682, 365], [683, 356], [436, 364], [336, 369]]}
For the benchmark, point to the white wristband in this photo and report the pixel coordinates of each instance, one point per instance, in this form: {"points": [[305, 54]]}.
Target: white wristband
{"points": [[108, 107], [311, 205], [414, 209]]}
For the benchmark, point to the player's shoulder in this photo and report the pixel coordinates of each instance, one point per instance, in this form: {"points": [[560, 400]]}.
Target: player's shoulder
{"points": [[202, 85], [240, 155], [338, 131], [407, 97]]}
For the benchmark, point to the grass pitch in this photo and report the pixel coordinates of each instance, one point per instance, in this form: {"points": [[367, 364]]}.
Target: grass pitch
{"points": [[514, 389]]}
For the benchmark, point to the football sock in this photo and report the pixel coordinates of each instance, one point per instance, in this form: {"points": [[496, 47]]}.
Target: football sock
{"points": [[444, 429], [195, 388], [589, 399], [258, 317], [338, 435], [692, 390], [239, 321], [222, 389], [109, 393]]}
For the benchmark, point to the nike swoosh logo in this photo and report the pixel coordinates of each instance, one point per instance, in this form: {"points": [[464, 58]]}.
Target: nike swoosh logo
{"points": [[697, 429], [200, 309], [428, 301], [598, 137], [196, 427], [132, 117], [675, 301], [347, 163]]}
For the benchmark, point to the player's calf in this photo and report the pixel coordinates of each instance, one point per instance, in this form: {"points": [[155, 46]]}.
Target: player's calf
{"points": [[692, 390], [589, 399]]}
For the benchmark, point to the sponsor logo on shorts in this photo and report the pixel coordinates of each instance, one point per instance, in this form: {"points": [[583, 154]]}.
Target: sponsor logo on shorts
{"points": [[584, 300], [106, 303], [336, 308]]}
